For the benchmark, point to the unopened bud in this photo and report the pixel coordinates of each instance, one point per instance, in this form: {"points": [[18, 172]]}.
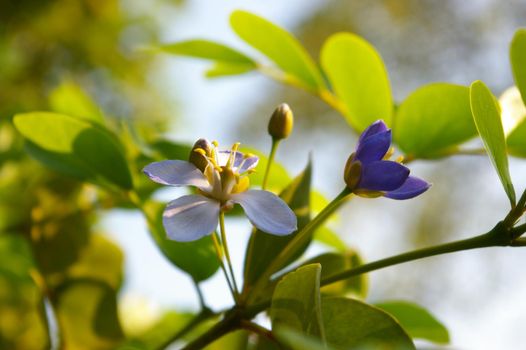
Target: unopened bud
{"points": [[281, 122], [352, 172], [197, 157]]}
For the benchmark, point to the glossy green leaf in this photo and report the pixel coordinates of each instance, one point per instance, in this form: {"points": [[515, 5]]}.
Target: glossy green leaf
{"points": [[359, 78], [434, 119], [87, 313], [416, 320], [101, 260], [75, 147], [486, 114], [334, 263], [197, 258], [351, 324], [518, 59], [279, 46], [330, 238], [209, 50], [69, 98], [221, 69], [297, 341], [263, 247], [296, 301], [22, 314], [516, 141]]}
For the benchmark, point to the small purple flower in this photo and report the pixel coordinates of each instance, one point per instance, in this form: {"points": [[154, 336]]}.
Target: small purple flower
{"points": [[369, 173], [221, 183]]}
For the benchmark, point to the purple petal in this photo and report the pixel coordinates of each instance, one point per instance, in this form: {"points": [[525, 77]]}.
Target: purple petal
{"points": [[373, 129], [383, 175], [267, 212], [191, 217], [223, 156], [373, 148], [412, 187], [176, 173], [248, 163]]}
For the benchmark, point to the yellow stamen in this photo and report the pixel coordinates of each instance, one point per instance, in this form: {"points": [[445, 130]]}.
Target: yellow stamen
{"points": [[215, 143], [233, 152], [200, 151], [400, 159], [389, 153]]}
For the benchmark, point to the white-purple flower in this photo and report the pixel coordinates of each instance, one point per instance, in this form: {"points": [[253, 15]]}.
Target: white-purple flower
{"points": [[369, 173], [222, 182]]}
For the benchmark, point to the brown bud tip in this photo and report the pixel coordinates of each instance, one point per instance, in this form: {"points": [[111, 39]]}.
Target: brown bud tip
{"points": [[196, 157], [281, 122], [352, 172]]}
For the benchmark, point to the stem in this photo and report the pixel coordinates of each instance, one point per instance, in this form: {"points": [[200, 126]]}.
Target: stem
{"points": [[227, 254], [219, 253], [301, 238], [271, 156], [492, 238], [225, 326], [255, 328], [199, 292]]}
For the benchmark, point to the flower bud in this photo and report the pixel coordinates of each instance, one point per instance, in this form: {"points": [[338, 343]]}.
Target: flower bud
{"points": [[352, 172], [281, 122], [196, 157]]}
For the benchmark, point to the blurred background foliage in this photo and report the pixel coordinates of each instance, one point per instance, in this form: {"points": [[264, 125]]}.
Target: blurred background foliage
{"points": [[55, 261]]}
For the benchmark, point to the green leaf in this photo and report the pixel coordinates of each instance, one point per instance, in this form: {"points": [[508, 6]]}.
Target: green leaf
{"points": [[87, 313], [22, 313], [279, 46], [486, 114], [416, 320], [209, 50], [221, 69], [197, 258], [516, 141], [334, 263], [296, 301], [69, 98], [359, 78], [351, 324], [434, 119], [101, 260], [297, 341], [518, 59], [75, 147], [330, 238], [263, 247]]}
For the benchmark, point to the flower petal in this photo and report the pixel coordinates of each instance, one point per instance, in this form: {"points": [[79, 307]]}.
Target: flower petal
{"points": [[373, 129], [373, 148], [247, 164], [223, 156], [267, 212], [412, 187], [176, 173], [190, 217], [383, 175]]}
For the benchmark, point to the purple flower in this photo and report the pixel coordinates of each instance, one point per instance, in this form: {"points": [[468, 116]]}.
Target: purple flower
{"points": [[369, 173], [221, 183]]}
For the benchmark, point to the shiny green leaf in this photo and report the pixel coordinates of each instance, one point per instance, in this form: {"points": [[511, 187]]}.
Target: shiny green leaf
{"points": [[197, 258], [69, 98], [209, 50], [334, 263], [87, 312], [518, 59], [263, 247], [486, 114], [433, 120], [22, 314], [279, 46], [297, 341], [359, 78], [416, 320], [75, 147], [351, 324], [296, 301], [221, 69], [328, 237]]}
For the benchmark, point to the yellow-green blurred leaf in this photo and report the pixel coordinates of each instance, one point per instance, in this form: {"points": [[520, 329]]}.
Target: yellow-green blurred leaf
{"points": [[69, 98]]}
